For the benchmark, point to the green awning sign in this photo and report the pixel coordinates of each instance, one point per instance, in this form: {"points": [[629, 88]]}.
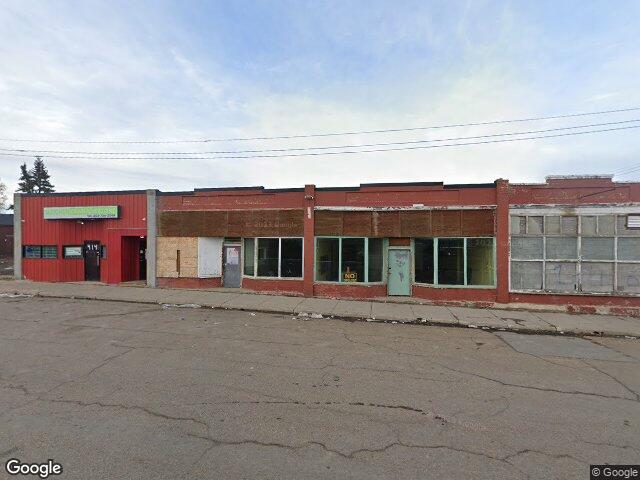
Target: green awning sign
{"points": [[81, 213]]}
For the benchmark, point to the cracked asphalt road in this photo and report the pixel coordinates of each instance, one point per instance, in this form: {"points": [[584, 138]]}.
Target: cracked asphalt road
{"points": [[119, 390]]}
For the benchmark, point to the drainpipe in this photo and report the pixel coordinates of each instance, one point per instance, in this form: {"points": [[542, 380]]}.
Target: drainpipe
{"points": [[17, 236], [502, 241], [309, 236], [151, 238]]}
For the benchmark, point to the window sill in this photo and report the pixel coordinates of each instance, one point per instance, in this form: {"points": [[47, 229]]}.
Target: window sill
{"points": [[322, 282], [481, 287], [579, 294], [272, 278]]}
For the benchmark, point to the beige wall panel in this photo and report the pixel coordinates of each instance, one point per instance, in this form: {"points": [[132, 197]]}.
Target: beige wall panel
{"points": [[167, 248]]}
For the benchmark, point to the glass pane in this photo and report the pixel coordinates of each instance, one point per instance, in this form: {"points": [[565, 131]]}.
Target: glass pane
{"points": [[588, 225], [480, 261], [622, 227], [534, 225], [552, 225], [629, 277], [451, 261], [353, 259], [291, 261], [606, 224], [103, 252], [526, 275], [597, 248], [560, 277], [424, 259], [596, 277], [518, 225], [249, 252], [628, 248], [562, 248], [49, 251], [569, 225], [525, 248], [375, 260], [32, 251], [267, 257], [327, 259]]}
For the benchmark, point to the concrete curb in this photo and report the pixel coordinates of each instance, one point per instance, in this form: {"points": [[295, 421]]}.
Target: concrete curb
{"points": [[552, 330]]}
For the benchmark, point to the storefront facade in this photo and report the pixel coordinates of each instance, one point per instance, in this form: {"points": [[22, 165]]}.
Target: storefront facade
{"points": [[81, 237], [571, 240]]}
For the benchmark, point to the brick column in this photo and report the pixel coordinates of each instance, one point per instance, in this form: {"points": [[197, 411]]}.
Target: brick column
{"points": [[502, 240], [309, 236], [151, 238]]}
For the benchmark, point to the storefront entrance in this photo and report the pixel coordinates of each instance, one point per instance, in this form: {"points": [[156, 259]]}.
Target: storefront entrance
{"points": [[399, 282], [231, 266], [92, 261]]}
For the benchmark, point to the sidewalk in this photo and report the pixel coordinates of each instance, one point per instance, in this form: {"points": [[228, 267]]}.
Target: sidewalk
{"points": [[483, 318]]}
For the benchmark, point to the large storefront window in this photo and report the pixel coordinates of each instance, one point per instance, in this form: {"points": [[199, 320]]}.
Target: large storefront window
{"points": [[349, 260], [273, 257], [455, 261], [574, 254]]}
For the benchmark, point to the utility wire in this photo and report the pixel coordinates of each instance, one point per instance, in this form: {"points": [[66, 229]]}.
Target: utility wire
{"points": [[365, 145], [332, 134], [343, 152]]}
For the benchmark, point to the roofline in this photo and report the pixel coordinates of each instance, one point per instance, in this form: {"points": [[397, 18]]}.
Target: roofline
{"points": [[84, 194]]}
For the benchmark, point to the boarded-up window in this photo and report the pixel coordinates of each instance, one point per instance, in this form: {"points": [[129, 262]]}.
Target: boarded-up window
{"points": [[596, 277], [209, 257], [525, 248], [606, 224], [597, 248], [518, 225], [526, 275], [562, 248], [628, 248], [629, 277], [588, 225], [561, 276]]}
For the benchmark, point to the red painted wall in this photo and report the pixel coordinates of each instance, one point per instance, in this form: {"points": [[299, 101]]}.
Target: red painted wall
{"points": [[38, 231]]}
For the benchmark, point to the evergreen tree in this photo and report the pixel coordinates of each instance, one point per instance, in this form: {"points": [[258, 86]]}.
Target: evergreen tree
{"points": [[25, 182], [41, 178]]}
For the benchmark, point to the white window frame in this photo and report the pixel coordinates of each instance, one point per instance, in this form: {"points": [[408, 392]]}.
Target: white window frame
{"points": [[255, 258], [385, 247]]}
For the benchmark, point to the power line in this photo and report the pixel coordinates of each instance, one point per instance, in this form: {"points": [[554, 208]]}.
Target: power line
{"points": [[332, 134], [272, 150], [344, 152]]}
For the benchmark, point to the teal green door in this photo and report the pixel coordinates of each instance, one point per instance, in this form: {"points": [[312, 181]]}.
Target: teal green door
{"points": [[399, 282]]}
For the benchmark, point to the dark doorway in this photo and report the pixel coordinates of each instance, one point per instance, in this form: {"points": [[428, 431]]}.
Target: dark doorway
{"points": [[143, 258], [92, 260]]}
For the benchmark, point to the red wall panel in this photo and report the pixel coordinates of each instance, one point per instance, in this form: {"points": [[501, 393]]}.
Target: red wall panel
{"points": [[38, 231]]}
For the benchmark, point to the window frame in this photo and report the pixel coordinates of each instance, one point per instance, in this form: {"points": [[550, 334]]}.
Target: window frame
{"points": [[72, 257], [385, 247], [617, 234], [435, 283], [255, 258], [41, 256]]}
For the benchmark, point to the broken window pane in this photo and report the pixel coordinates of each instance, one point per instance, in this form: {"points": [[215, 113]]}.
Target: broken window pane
{"points": [[518, 225], [480, 261], [562, 248], [552, 225], [596, 277], [327, 259], [353, 259], [451, 261], [569, 225], [588, 225], [526, 248], [597, 248], [628, 248], [291, 257], [375, 259], [268, 257], [560, 277], [534, 225], [424, 259], [606, 224], [629, 277], [249, 245], [526, 275]]}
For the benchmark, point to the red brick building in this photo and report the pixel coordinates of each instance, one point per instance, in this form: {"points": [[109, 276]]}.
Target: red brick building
{"points": [[570, 240]]}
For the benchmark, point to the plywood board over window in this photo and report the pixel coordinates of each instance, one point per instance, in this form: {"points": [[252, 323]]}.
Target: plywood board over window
{"points": [[177, 257]]}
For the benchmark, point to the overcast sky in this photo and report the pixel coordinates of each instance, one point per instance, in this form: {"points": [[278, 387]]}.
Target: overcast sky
{"points": [[127, 70]]}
